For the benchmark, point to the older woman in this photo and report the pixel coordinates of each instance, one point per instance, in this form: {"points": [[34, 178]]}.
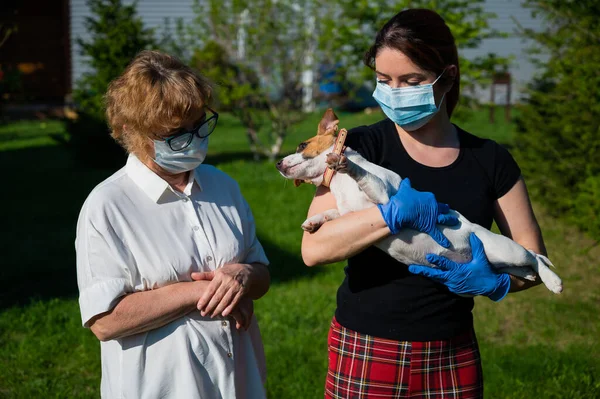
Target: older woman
{"points": [[167, 256]]}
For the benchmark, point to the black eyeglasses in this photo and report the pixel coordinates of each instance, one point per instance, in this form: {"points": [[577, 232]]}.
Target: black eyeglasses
{"points": [[181, 141]]}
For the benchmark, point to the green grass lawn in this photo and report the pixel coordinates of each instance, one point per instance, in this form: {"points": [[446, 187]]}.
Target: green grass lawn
{"points": [[534, 344], [28, 134]]}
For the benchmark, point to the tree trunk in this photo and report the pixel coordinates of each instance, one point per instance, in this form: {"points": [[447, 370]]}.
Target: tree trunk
{"points": [[254, 142], [276, 147]]}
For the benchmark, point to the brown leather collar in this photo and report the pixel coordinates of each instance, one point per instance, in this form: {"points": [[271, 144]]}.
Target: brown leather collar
{"points": [[338, 148]]}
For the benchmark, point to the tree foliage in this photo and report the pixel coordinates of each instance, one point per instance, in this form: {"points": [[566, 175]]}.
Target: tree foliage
{"points": [[256, 51], [117, 34], [352, 25], [559, 129], [259, 51], [239, 91]]}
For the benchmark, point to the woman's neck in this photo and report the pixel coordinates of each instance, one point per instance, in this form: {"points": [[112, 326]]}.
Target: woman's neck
{"points": [[435, 145], [438, 132], [178, 181]]}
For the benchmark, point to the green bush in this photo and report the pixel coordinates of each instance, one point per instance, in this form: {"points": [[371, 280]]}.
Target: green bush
{"points": [[558, 136], [117, 35], [586, 205]]}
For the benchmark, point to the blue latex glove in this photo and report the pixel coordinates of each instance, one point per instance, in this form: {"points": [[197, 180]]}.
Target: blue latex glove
{"points": [[476, 277], [409, 208]]}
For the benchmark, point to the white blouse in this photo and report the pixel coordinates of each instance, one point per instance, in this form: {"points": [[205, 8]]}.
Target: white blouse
{"points": [[136, 233]]}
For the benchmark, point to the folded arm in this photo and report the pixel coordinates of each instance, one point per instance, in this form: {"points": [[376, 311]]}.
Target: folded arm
{"points": [[148, 310], [230, 284], [342, 237], [352, 233]]}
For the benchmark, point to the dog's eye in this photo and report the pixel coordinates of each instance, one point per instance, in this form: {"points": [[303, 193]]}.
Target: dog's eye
{"points": [[301, 147]]}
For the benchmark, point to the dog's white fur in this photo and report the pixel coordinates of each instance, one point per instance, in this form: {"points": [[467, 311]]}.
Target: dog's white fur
{"points": [[360, 184]]}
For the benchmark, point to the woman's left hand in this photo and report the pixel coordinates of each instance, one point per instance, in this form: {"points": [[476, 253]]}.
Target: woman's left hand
{"points": [[476, 277], [227, 287], [242, 314]]}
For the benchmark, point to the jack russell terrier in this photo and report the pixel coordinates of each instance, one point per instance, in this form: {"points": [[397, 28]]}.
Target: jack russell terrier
{"points": [[359, 184]]}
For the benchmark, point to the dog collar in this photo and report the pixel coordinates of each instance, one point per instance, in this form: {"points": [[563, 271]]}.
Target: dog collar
{"points": [[338, 148]]}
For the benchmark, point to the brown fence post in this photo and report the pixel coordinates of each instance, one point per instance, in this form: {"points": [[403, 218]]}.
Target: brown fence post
{"points": [[500, 78]]}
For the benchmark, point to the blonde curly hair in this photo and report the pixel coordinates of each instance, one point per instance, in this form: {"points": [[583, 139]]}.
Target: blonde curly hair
{"points": [[155, 95]]}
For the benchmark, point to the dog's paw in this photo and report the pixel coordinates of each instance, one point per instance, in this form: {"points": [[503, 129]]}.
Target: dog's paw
{"points": [[310, 227], [336, 162]]}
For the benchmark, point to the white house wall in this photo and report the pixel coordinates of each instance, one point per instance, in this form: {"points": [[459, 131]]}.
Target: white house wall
{"points": [[521, 69]]}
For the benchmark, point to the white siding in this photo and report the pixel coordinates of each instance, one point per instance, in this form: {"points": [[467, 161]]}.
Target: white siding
{"points": [[154, 12], [521, 69]]}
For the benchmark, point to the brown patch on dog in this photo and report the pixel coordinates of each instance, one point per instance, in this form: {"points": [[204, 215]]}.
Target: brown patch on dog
{"points": [[317, 145], [325, 136]]}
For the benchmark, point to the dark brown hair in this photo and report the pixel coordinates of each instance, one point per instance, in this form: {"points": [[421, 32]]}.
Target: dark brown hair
{"points": [[423, 36], [156, 94]]}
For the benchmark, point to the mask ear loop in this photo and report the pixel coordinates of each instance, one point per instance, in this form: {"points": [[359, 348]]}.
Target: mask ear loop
{"points": [[434, 82], [441, 101], [438, 78]]}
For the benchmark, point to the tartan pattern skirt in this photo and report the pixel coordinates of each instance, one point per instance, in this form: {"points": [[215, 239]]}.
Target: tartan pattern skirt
{"points": [[363, 366]]}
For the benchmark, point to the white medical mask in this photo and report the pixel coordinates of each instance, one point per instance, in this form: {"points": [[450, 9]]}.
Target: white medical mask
{"points": [[409, 107], [180, 161]]}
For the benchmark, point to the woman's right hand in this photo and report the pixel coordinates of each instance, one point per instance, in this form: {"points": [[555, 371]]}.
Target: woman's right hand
{"points": [[242, 312], [417, 210]]}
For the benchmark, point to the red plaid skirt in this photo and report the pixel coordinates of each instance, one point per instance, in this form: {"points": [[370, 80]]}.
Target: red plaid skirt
{"points": [[363, 366]]}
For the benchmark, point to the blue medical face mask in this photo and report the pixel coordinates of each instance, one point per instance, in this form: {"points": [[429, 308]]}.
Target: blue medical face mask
{"points": [[409, 107], [183, 160]]}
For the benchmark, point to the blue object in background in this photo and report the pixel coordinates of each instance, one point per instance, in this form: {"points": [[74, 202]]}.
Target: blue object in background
{"points": [[328, 83], [343, 95]]}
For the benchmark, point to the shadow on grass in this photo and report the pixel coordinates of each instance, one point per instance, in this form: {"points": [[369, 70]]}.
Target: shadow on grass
{"points": [[43, 191], [286, 266]]}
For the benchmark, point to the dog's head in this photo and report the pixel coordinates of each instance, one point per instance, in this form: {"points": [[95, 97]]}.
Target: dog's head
{"points": [[308, 164]]}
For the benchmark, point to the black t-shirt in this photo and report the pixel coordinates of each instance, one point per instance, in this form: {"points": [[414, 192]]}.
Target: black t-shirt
{"points": [[379, 296]]}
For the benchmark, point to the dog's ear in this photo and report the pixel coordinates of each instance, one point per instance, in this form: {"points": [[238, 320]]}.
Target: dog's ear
{"points": [[298, 182], [329, 123]]}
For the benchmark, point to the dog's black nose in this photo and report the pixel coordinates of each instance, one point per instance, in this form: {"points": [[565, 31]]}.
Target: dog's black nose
{"points": [[279, 163]]}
